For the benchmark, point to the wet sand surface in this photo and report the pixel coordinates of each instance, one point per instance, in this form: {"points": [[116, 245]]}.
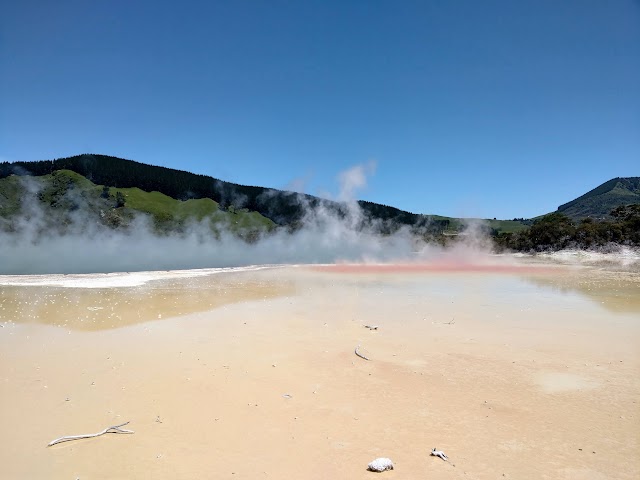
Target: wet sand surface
{"points": [[514, 373]]}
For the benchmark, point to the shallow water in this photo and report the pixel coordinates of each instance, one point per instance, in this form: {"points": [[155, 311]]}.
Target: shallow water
{"points": [[106, 302]]}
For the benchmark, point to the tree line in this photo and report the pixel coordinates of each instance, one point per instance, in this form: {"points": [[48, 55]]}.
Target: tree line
{"points": [[557, 231]]}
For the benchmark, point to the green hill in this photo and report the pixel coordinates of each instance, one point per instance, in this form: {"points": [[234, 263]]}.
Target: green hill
{"points": [[65, 199], [599, 202]]}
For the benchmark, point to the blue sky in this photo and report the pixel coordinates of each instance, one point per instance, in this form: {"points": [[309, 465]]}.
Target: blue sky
{"points": [[478, 109]]}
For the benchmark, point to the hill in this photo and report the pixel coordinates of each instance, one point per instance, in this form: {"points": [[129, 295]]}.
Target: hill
{"points": [[285, 209], [599, 202], [64, 200]]}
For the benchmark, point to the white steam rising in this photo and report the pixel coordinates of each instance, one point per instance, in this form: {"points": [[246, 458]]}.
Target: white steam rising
{"points": [[85, 246], [353, 180]]}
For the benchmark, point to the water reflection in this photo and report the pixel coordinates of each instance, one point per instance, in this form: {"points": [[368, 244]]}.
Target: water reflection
{"points": [[92, 309], [612, 285], [617, 291]]}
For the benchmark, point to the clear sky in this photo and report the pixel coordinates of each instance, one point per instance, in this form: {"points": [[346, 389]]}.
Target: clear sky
{"points": [[468, 108]]}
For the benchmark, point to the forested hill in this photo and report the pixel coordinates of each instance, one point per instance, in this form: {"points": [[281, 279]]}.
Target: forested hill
{"points": [[599, 202], [284, 208]]}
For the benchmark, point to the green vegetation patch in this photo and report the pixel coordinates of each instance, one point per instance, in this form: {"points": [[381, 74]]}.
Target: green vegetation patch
{"points": [[11, 191], [507, 226], [170, 214]]}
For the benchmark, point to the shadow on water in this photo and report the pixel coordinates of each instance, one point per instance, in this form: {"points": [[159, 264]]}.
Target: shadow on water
{"points": [[93, 309]]}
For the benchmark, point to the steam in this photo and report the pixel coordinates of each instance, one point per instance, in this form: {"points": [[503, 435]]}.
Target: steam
{"points": [[353, 180], [84, 245]]}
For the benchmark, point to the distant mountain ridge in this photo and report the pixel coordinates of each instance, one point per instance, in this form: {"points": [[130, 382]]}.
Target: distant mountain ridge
{"points": [[599, 202], [288, 209]]}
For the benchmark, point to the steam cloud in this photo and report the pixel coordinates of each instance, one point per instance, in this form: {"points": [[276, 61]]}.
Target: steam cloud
{"points": [[85, 246]]}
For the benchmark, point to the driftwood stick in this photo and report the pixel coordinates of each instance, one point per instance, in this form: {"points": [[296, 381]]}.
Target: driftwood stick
{"points": [[359, 354], [114, 429]]}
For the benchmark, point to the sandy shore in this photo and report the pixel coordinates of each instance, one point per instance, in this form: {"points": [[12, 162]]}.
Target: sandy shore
{"points": [[513, 372]]}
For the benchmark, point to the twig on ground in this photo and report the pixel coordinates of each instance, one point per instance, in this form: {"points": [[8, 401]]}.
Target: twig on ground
{"points": [[450, 322], [114, 429], [359, 354], [439, 453], [371, 327]]}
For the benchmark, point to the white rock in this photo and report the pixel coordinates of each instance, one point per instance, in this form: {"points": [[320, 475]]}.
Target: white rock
{"points": [[380, 465]]}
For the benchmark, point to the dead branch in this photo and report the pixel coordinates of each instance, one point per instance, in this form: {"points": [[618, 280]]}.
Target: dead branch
{"points": [[359, 354], [114, 429]]}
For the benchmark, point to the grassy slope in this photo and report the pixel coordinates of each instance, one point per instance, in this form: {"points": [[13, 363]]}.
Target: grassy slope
{"points": [[10, 192], [500, 226], [160, 205], [507, 226], [166, 209], [63, 189]]}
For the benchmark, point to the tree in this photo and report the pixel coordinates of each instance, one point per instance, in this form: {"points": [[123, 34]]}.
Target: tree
{"points": [[552, 231], [120, 200]]}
